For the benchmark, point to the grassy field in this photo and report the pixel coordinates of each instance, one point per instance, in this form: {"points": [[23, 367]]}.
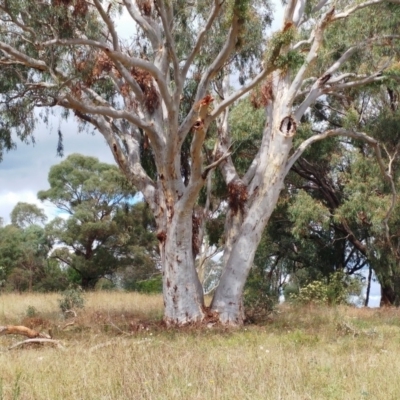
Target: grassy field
{"points": [[117, 349]]}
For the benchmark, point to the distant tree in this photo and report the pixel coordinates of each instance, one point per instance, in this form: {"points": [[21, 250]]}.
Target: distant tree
{"points": [[104, 231], [25, 214], [23, 260]]}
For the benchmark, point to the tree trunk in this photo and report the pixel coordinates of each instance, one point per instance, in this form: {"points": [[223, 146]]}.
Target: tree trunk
{"points": [[89, 282], [390, 292], [387, 295], [182, 290], [228, 300], [368, 287]]}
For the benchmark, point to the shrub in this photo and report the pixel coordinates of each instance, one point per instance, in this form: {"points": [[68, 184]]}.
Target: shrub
{"points": [[152, 285], [337, 289], [31, 312], [71, 298], [259, 299]]}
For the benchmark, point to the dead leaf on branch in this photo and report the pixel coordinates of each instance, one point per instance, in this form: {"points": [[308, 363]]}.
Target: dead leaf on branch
{"points": [[238, 196], [145, 7], [146, 84], [262, 96]]}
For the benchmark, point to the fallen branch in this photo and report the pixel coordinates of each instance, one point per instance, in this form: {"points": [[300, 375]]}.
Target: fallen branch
{"points": [[68, 324], [43, 340], [22, 330], [73, 312]]}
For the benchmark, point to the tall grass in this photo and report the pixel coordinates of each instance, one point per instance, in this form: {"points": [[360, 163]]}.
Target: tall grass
{"points": [[114, 352]]}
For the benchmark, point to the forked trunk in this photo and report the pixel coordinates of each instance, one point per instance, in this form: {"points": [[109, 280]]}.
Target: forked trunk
{"points": [[182, 290]]}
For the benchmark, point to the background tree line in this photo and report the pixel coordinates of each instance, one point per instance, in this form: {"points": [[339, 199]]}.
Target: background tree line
{"points": [[104, 235]]}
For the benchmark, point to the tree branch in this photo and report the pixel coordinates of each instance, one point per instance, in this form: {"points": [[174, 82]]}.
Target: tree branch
{"points": [[23, 58], [109, 23], [152, 33], [170, 43], [70, 102], [199, 41], [311, 56], [338, 132], [351, 10], [211, 72]]}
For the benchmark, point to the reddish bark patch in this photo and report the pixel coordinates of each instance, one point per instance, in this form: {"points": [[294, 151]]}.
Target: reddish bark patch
{"points": [[204, 102], [237, 196], [161, 236]]}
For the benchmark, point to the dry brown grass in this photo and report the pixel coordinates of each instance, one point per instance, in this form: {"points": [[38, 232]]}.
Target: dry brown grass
{"points": [[301, 353]]}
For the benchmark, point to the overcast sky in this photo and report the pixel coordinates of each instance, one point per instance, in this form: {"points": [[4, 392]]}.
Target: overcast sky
{"points": [[24, 171]]}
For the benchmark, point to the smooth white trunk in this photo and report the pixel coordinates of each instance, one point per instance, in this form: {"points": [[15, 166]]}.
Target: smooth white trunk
{"points": [[228, 300], [182, 290]]}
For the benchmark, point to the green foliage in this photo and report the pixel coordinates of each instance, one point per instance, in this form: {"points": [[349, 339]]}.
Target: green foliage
{"points": [[31, 312], [106, 228], [259, 297], [71, 299], [305, 211], [23, 254], [336, 289], [151, 285], [25, 214]]}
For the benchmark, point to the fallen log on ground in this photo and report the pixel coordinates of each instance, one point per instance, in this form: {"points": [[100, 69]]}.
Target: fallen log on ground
{"points": [[22, 330], [57, 343]]}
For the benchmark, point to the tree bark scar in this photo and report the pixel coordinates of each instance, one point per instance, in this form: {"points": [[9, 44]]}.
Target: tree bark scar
{"points": [[324, 79], [288, 126], [168, 283], [199, 124], [161, 236]]}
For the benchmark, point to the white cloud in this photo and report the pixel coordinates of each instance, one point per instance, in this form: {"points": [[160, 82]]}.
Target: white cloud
{"points": [[9, 199]]}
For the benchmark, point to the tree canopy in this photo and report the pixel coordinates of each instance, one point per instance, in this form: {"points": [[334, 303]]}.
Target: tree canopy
{"points": [[105, 228]]}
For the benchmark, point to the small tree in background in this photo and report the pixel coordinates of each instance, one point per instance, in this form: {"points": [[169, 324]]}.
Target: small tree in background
{"points": [[105, 230]]}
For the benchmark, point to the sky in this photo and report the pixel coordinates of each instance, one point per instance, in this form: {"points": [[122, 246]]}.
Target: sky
{"points": [[24, 171]]}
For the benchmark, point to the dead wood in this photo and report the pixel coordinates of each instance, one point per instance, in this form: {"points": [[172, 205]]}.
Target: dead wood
{"points": [[22, 330], [38, 340], [68, 324]]}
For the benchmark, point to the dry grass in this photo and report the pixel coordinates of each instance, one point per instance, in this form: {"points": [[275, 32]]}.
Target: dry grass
{"points": [[114, 352]]}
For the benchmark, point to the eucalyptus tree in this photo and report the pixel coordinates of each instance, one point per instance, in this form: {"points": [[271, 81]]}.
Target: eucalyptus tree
{"points": [[70, 54], [25, 214], [23, 254], [104, 231]]}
